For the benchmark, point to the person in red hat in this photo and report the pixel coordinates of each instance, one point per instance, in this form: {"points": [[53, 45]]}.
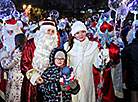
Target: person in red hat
{"points": [[11, 63], [10, 30], [8, 40], [35, 59], [108, 58]]}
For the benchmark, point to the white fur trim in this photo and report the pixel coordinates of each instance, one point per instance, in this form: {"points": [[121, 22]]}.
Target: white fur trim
{"points": [[34, 78], [46, 27], [2, 95], [124, 86], [41, 22], [11, 27], [119, 94], [32, 75]]}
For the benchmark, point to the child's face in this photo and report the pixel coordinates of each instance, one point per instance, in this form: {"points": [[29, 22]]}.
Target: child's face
{"points": [[59, 61]]}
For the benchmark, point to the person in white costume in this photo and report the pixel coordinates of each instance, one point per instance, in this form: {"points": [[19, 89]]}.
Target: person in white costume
{"points": [[10, 30], [82, 55]]}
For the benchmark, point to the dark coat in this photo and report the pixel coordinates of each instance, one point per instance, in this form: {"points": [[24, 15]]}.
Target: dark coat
{"points": [[50, 89], [130, 64]]}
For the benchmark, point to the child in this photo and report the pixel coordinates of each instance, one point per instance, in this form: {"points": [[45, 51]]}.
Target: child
{"points": [[51, 88]]}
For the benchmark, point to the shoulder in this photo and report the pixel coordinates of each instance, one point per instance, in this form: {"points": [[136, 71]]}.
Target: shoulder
{"points": [[66, 46], [93, 44]]}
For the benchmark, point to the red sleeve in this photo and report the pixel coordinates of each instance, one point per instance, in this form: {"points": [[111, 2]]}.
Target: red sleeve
{"points": [[1, 45], [114, 51], [27, 56], [59, 41]]}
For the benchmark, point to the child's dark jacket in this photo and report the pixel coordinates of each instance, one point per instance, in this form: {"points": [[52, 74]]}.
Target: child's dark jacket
{"points": [[50, 89]]}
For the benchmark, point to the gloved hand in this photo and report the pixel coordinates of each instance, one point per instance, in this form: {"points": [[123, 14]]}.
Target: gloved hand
{"points": [[65, 87], [73, 84], [102, 58]]}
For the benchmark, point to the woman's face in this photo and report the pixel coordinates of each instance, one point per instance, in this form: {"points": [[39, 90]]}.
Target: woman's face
{"points": [[59, 61], [81, 35]]}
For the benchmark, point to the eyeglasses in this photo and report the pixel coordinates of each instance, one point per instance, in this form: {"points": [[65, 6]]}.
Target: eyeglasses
{"points": [[60, 59]]}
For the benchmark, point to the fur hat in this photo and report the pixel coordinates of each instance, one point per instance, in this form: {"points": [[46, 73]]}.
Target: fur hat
{"points": [[11, 24], [78, 26], [60, 54], [46, 24], [105, 26]]}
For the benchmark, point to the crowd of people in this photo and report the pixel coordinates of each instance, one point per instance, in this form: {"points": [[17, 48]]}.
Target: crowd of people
{"points": [[62, 61]]}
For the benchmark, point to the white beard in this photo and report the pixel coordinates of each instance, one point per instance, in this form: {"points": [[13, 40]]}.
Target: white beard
{"points": [[44, 45], [9, 42]]}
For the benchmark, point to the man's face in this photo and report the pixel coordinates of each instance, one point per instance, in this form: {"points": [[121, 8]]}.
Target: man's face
{"points": [[10, 32], [50, 31]]}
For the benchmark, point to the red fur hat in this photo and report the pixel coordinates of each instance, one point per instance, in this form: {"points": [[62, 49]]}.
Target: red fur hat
{"points": [[105, 26], [11, 24]]}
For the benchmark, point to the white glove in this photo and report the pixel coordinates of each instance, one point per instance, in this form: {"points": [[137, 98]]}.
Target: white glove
{"points": [[102, 59]]}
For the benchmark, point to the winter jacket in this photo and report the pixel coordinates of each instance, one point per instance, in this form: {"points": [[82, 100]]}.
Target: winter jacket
{"points": [[130, 64], [50, 89]]}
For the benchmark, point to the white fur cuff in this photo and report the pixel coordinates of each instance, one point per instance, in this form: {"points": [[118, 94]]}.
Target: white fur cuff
{"points": [[34, 78]]}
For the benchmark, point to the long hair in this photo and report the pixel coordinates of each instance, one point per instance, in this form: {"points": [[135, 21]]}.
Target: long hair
{"points": [[71, 42], [20, 40]]}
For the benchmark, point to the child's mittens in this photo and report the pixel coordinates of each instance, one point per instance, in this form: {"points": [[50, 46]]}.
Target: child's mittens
{"points": [[73, 84], [65, 87]]}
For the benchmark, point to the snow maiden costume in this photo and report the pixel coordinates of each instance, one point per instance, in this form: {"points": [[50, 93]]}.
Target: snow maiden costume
{"points": [[81, 57]]}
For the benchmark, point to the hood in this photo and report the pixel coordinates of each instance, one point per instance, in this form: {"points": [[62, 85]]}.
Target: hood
{"points": [[52, 55]]}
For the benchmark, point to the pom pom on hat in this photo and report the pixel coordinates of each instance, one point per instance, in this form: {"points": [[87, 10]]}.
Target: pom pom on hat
{"points": [[78, 26]]}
